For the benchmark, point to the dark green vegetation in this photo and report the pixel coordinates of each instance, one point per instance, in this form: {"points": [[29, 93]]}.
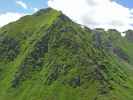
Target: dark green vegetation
{"points": [[46, 56]]}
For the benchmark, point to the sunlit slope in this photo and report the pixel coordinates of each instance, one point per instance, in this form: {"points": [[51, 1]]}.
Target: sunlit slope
{"points": [[46, 56]]}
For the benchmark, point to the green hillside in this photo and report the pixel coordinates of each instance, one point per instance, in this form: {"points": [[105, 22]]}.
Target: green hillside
{"points": [[46, 56]]}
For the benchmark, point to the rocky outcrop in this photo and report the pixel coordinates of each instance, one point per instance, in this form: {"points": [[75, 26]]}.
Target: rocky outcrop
{"points": [[129, 35]]}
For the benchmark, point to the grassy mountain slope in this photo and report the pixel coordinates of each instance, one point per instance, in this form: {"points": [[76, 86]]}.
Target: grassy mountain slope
{"points": [[46, 56]]}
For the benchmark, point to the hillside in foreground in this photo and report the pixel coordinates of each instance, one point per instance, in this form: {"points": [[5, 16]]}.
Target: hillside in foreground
{"points": [[46, 56]]}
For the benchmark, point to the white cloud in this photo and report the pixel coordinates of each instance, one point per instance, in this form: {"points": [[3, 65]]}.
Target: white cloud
{"points": [[96, 13], [35, 9], [22, 4], [9, 17], [25, 6]]}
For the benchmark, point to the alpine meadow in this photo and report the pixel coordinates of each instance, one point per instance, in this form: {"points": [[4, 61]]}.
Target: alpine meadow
{"points": [[47, 56]]}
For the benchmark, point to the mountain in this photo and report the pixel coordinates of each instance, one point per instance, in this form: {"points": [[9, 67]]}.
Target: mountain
{"points": [[46, 56]]}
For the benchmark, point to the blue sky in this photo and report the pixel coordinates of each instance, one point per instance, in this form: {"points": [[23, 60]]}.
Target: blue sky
{"points": [[92, 13], [11, 6], [126, 3]]}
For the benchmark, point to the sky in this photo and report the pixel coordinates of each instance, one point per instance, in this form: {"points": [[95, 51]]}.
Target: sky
{"points": [[117, 14]]}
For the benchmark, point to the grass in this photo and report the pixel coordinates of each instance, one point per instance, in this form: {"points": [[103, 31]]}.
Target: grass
{"points": [[72, 66]]}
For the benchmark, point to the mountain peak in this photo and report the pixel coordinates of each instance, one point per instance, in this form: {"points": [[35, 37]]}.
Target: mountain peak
{"points": [[48, 56], [42, 11]]}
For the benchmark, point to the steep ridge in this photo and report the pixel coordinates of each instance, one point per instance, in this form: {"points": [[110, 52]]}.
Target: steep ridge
{"points": [[46, 56]]}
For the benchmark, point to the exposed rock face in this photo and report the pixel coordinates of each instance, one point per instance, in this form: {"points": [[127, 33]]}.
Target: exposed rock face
{"points": [[97, 38], [46, 56], [129, 35], [121, 54], [9, 48]]}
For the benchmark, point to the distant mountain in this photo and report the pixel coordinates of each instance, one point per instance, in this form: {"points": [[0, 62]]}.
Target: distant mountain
{"points": [[46, 56]]}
